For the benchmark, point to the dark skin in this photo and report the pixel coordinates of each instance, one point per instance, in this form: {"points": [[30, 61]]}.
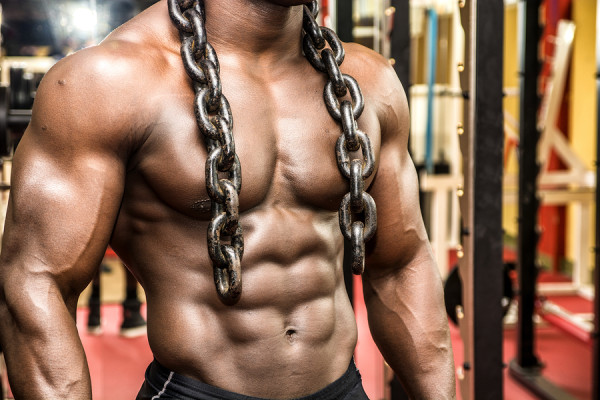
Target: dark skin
{"points": [[113, 156]]}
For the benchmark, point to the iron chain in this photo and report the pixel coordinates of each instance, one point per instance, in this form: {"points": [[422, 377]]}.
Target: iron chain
{"points": [[357, 203], [215, 122]]}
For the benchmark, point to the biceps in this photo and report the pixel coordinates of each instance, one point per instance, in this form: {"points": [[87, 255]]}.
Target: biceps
{"points": [[61, 214], [401, 237]]}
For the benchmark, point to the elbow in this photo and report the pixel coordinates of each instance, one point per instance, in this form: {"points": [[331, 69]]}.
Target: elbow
{"points": [[26, 304]]}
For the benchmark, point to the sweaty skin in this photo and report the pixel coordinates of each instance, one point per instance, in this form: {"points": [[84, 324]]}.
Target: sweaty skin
{"points": [[113, 156]]}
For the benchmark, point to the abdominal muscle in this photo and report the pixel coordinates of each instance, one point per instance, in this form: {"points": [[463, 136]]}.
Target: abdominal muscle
{"points": [[291, 333]]}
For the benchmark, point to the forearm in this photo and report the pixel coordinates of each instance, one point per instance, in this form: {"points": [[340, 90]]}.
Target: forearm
{"points": [[409, 324], [43, 352]]}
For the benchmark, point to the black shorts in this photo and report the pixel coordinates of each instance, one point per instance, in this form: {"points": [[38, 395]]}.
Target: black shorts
{"points": [[162, 383]]}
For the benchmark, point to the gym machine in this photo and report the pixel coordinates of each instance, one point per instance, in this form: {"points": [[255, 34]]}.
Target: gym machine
{"points": [[526, 368]]}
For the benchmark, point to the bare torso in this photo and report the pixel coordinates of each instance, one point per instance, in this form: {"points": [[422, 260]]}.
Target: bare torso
{"points": [[293, 330], [113, 156]]}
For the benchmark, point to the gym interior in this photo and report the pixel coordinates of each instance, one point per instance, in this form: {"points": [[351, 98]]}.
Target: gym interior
{"points": [[504, 135]]}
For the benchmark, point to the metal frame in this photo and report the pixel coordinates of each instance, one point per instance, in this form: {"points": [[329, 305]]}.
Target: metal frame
{"points": [[344, 21], [481, 205], [400, 42], [526, 367], [528, 173]]}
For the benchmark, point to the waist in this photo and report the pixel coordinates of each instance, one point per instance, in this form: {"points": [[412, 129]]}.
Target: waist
{"points": [[164, 382], [211, 343]]}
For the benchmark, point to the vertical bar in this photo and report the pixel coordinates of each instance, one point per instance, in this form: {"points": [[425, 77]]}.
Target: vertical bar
{"points": [[596, 332], [400, 42], [432, 29], [467, 83], [345, 24], [487, 191], [528, 172], [482, 146]]}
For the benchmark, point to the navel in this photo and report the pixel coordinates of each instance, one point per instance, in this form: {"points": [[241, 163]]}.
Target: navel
{"points": [[291, 335]]}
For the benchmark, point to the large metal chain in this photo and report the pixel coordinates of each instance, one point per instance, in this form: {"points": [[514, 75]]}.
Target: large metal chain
{"points": [[357, 203], [214, 119]]}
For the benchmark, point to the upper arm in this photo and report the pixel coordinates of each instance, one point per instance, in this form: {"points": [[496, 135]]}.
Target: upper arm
{"points": [[400, 239], [67, 181]]}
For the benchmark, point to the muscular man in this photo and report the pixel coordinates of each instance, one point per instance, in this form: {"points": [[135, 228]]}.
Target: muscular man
{"points": [[113, 155]]}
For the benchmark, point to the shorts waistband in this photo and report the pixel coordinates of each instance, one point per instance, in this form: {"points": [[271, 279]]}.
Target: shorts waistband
{"points": [[171, 385]]}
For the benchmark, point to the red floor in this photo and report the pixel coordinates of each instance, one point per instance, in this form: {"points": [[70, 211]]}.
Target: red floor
{"points": [[117, 364], [568, 362]]}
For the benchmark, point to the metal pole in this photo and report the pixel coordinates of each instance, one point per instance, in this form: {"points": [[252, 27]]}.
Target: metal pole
{"points": [[528, 173], [482, 145], [432, 38], [400, 42], [345, 24], [487, 191]]}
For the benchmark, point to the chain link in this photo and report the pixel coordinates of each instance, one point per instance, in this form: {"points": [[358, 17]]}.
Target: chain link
{"points": [[357, 203], [215, 122], [324, 50]]}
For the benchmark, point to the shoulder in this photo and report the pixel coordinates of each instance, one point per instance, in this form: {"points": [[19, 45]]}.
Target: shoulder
{"points": [[85, 97], [104, 91], [120, 67], [380, 86]]}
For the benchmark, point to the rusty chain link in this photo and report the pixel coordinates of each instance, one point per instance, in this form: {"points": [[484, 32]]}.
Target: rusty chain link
{"points": [[214, 119], [357, 203]]}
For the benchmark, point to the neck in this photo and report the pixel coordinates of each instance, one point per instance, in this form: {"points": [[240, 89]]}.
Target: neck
{"points": [[254, 28]]}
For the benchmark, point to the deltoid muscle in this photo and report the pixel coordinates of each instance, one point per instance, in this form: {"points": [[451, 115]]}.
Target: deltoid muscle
{"points": [[325, 52]]}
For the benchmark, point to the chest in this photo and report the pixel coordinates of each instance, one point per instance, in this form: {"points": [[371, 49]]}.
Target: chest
{"points": [[284, 137]]}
